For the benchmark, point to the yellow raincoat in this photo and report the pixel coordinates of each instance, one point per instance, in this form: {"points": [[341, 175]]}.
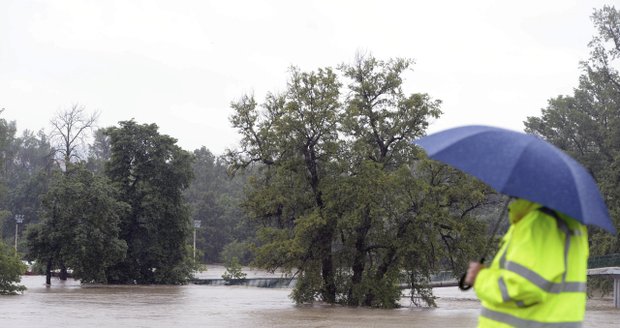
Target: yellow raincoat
{"points": [[538, 277]]}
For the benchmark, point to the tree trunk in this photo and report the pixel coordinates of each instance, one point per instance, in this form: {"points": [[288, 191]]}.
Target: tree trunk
{"points": [[329, 283], [63, 275], [388, 261], [359, 261], [327, 265], [326, 233], [48, 273], [380, 274]]}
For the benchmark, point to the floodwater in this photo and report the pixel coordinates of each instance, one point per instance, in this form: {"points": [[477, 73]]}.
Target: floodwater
{"points": [[69, 305]]}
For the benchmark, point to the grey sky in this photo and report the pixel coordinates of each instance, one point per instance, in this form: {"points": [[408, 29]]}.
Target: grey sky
{"points": [[179, 64]]}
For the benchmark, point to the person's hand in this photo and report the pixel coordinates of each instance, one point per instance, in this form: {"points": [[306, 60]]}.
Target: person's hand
{"points": [[472, 272]]}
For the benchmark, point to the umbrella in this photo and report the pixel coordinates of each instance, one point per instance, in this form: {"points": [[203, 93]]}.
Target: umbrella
{"points": [[524, 166]]}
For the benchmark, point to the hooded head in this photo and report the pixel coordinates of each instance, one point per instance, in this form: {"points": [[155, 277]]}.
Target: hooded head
{"points": [[519, 207]]}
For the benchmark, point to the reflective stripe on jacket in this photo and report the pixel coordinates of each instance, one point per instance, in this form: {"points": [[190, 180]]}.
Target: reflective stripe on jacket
{"points": [[538, 277]]}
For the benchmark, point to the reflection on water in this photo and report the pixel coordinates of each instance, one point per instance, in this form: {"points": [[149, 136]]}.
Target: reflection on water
{"points": [[69, 305]]}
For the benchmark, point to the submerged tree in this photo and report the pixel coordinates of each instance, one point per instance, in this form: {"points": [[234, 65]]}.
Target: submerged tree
{"points": [[79, 227], [399, 218], [151, 172], [295, 141], [340, 200], [68, 136]]}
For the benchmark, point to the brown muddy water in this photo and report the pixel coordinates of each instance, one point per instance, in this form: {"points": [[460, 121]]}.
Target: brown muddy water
{"points": [[70, 305]]}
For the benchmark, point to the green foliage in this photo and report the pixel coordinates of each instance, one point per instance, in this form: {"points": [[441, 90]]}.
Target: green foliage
{"points": [[342, 197], [587, 124], [99, 152], [215, 200], [234, 271], [80, 225], [11, 269], [23, 164], [26, 162], [5, 217], [151, 172], [81, 215], [240, 250], [309, 284]]}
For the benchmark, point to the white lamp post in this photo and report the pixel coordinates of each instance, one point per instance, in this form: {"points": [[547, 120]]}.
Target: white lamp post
{"points": [[196, 226], [19, 218]]}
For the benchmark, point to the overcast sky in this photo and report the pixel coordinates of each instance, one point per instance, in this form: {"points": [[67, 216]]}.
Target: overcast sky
{"points": [[179, 64]]}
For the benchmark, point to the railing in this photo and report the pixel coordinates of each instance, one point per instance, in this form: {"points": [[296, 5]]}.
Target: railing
{"points": [[604, 261], [252, 282]]}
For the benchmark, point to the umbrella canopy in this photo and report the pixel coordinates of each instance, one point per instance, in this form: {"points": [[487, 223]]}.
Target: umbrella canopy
{"points": [[524, 166]]}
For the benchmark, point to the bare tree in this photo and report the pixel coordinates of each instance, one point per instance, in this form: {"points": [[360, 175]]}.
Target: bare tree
{"points": [[68, 137], [68, 134]]}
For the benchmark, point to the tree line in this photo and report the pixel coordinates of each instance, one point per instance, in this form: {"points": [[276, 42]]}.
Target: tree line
{"points": [[117, 210], [326, 185]]}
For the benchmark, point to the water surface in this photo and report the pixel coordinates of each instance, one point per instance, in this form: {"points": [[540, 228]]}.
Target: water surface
{"points": [[69, 305]]}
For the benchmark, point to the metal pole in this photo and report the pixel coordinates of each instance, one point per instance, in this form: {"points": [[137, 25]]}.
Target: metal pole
{"points": [[19, 218], [616, 291], [16, 225], [196, 226]]}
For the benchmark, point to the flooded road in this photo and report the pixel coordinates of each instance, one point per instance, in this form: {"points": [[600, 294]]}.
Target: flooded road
{"points": [[69, 305]]}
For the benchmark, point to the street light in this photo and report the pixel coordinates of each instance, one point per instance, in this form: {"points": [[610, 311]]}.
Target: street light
{"points": [[19, 218], [196, 226]]}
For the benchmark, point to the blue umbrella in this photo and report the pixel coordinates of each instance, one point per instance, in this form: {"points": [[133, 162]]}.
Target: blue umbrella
{"points": [[524, 166]]}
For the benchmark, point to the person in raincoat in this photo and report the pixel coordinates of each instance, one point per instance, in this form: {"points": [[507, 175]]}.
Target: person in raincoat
{"points": [[538, 277]]}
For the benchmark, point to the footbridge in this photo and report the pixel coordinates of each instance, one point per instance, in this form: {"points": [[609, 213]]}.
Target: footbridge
{"points": [[607, 266]]}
